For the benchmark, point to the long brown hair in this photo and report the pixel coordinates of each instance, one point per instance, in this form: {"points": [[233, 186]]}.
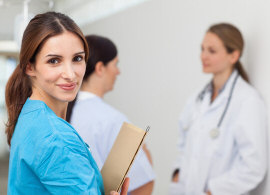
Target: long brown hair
{"points": [[232, 40], [19, 87]]}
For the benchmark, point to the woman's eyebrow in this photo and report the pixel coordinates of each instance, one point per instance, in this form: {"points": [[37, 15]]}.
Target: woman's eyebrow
{"points": [[59, 56], [53, 55], [82, 52]]}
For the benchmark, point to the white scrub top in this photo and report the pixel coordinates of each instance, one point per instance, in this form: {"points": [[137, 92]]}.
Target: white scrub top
{"points": [[234, 162], [99, 124]]}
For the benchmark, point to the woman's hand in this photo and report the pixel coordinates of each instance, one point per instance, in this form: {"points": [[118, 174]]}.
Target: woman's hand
{"points": [[124, 189], [208, 193], [148, 154], [175, 176]]}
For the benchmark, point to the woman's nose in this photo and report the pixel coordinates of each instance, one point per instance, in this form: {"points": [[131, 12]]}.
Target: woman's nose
{"points": [[203, 55], [118, 71], [68, 72]]}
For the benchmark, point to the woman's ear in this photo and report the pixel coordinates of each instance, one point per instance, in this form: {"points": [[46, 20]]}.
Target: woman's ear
{"points": [[235, 55], [99, 69], [30, 70]]}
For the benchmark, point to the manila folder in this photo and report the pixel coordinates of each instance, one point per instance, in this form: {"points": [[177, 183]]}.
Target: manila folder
{"points": [[121, 156]]}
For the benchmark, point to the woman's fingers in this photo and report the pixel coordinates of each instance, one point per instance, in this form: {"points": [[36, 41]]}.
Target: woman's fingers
{"points": [[125, 185], [124, 189]]}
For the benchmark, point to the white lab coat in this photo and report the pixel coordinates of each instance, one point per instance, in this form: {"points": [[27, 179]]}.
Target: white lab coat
{"points": [[233, 163], [99, 124]]}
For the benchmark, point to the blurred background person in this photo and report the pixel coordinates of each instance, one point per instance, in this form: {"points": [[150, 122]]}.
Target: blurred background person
{"points": [[99, 123], [222, 147]]}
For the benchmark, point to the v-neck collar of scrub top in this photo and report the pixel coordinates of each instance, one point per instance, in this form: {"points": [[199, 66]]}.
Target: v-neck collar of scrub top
{"points": [[83, 95], [223, 95]]}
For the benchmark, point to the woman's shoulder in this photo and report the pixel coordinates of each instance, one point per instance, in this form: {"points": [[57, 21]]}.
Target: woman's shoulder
{"points": [[38, 115], [44, 132], [247, 100], [38, 122], [246, 92], [194, 97], [99, 108]]}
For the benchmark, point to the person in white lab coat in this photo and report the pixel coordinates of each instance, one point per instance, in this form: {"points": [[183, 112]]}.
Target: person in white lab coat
{"points": [[222, 147], [97, 122]]}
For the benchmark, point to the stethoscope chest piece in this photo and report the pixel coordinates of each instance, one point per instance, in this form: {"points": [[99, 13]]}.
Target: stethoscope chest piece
{"points": [[214, 133], [186, 128]]}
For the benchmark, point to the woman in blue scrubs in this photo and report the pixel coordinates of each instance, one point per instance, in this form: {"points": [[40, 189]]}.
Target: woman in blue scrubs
{"points": [[47, 156]]}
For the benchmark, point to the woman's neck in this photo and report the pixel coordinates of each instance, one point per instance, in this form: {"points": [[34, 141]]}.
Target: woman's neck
{"points": [[219, 81], [58, 107], [93, 87]]}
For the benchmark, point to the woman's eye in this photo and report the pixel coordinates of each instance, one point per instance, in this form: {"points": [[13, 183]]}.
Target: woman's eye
{"points": [[53, 61], [212, 51], [202, 48], [77, 58]]}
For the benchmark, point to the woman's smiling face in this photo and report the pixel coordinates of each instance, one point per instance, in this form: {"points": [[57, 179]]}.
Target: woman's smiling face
{"points": [[59, 68]]}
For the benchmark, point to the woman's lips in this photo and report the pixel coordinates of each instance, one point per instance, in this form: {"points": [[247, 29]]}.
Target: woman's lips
{"points": [[68, 86], [205, 65]]}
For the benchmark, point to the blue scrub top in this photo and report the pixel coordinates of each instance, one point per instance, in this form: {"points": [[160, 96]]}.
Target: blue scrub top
{"points": [[47, 156]]}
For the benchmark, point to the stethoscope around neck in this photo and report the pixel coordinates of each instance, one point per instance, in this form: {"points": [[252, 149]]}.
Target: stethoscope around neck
{"points": [[214, 133]]}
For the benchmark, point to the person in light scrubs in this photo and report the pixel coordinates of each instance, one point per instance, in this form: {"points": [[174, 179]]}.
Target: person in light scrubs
{"points": [[222, 146], [47, 155], [99, 123]]}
